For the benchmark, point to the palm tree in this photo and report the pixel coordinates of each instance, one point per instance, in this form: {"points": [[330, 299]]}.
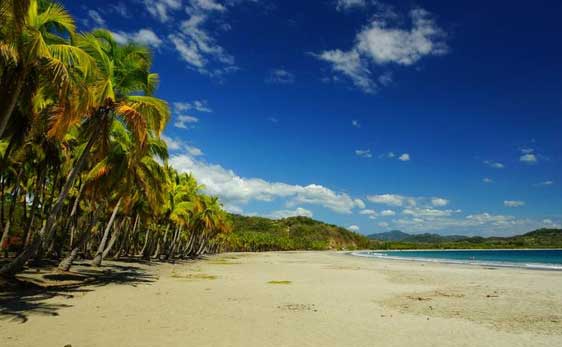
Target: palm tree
{"points": [[122, 73], [31, 50]]}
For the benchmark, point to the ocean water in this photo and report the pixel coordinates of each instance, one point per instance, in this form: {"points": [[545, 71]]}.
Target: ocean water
{"points": [[533, 259]]}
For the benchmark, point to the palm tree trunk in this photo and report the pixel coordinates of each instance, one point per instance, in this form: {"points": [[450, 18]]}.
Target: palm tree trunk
{"points": [[146, 238], [5, 234], [99, 255], [114, 237], [15, 266], [71, 221], [66, 263], [10, 102]]}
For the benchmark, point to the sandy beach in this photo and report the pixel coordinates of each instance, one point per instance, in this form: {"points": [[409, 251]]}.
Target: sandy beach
{"points": [[293, 299]]}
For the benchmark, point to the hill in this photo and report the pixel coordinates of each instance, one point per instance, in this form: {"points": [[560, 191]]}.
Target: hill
{"points": [[294, 233], [542, 238], [400, 236], [393, 235]]}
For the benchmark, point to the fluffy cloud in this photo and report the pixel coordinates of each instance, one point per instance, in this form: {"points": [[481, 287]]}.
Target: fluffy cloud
{"points": [[351, 65], [528, 158], [439, 202], [299, 211], [280, 76], [354, 228], [96, 17], [198, 105], [404, 157], [388, 213], [392, 200], [407, 201], [513, 203], [235, 190], [160, 9], [183, 121], [494, 164], [428, 212], [383, 43], [175, 145], [356, 123], [143, 36], [342, 5], [487, 180], [364, 153], [368, 212], [196, 42]]}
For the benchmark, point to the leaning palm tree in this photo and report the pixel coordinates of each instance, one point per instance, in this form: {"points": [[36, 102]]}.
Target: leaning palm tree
{"points": [[35, 46]]}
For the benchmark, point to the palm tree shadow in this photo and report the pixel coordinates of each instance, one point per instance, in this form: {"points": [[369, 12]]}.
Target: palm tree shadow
{"points": [[20, 299]]}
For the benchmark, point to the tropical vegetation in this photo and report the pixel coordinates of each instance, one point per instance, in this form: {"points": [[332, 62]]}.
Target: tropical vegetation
{"points": [[83, 167], [257, 234]]}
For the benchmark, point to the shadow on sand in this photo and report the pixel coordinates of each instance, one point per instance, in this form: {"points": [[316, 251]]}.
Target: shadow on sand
{"points": [[21, 298]]}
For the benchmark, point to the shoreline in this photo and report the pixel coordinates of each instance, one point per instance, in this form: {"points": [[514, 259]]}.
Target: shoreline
{"points": [[292, 299]]}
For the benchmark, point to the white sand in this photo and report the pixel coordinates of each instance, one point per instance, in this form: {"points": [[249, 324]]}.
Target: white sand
{"points": [[332, 300]]}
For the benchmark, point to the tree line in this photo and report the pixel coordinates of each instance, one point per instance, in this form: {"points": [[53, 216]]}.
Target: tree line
{"points": [[83, 167]]}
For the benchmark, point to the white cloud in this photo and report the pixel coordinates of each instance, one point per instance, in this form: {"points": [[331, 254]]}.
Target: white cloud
{"points": [[198, 105], [194, 151], [96, 17], [173, 144], [439, 202], [354, 228], [349, 4], [120, 9], [383, 224], [528, 158], [487, 180], [428, 212], [183, 122], [548, 223], [195, 39], [527, 150], [280, 76], [143, 36], [299, 211], [351, 65], [404, 157], [392, 200], [176, 145], [382, 43], [494, 164], [160, 9], [368, 212], [545, 183], [356, 123], [388, 213], [397, 200], [513, 203], [364, 153], [236, 190]]}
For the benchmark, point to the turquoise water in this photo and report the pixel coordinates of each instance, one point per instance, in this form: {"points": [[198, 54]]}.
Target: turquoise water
{"points": [[537, 259]]}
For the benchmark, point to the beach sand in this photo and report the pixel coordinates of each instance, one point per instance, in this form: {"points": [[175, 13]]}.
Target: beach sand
{"points": [[293, 299]]}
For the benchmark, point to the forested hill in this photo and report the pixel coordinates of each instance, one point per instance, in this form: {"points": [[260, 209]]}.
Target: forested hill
{"points": [[294, 233], [541, 238]]}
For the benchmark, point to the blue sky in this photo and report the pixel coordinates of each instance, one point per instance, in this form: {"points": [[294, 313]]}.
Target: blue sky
{"points": [[423, 116]]}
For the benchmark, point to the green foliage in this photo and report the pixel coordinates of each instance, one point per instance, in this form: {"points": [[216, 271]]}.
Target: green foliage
{"points": [[256, 234]]}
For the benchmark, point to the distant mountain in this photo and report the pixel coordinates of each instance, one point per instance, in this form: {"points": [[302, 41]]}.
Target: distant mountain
{"points": [[542, 238], [393, 235]]}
